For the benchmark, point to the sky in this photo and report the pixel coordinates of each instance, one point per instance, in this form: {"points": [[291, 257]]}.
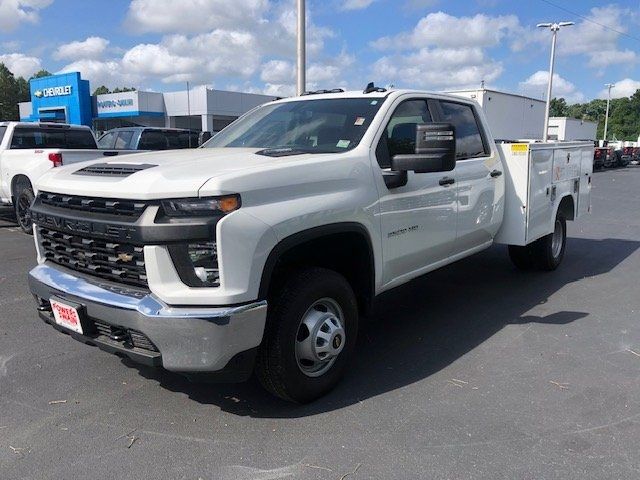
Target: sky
{"points": [[249, 45]]}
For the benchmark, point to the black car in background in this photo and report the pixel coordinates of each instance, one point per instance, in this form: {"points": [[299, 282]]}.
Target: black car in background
{"points": [[151, 138]]}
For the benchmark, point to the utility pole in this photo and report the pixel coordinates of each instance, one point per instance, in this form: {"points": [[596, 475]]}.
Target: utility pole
{"points": [[606, 117], [302, 48], [189, 114], [555, 27]]}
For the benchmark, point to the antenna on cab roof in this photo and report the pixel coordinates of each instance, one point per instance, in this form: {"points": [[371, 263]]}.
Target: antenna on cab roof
{"points": [[372, 88]]}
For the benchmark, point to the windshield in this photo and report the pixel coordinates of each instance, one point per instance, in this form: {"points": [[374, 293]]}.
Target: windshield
{"points": [[313, 126]]}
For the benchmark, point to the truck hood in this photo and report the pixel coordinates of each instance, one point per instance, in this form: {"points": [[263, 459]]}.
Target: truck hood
{"points": [[172, 174]]}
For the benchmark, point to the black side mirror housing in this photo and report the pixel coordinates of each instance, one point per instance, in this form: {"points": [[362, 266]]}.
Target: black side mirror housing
{"points": [[435, 150]]}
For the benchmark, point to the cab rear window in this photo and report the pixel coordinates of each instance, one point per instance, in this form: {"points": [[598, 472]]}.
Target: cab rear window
{"points": [[26, 138]]}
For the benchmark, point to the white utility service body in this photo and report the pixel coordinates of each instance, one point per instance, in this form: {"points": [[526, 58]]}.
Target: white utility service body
{"points": [[265, 246], [538, 176]]}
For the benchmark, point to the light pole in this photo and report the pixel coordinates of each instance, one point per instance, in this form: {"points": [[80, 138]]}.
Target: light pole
{"points": [[555, 27], [302, 48], [606, 117]]}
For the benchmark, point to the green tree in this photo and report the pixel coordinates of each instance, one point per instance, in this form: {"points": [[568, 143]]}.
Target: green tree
{"points": [[8, 95], [124, 89], [24, 95], [559, 107], [101, 90], [41, 73]]}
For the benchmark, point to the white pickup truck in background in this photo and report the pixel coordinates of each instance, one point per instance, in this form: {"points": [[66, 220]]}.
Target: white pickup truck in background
{"points": [[27, 150], [261, 251]]}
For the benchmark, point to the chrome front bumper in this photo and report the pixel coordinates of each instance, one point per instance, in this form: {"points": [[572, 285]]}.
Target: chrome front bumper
{"points": [[188, 339]]}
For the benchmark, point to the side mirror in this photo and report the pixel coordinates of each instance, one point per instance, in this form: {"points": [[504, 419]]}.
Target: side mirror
{"points": [[435, 150]]}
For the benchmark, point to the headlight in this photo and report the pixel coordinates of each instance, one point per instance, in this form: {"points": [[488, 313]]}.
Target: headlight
{"points": [[201, 207], [204, 260]]}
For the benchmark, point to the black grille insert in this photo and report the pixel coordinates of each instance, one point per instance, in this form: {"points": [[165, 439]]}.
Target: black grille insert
{"points": [[108, 206], [114, 261], [113, 169], [129, 338]]}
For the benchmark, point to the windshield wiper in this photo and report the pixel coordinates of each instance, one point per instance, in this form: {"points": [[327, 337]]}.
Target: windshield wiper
{"points": [[289, 151]]}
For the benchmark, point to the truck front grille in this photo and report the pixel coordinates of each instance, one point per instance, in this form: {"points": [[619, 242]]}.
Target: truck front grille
{"points": [[115, 261], [127, 209]]}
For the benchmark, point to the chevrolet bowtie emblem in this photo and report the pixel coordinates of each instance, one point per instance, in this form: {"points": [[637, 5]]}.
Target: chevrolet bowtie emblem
{"points": [[125, 257]]}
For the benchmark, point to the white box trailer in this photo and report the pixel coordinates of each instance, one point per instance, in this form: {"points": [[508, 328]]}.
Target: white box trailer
{"points": [[509, 115], [571, 129], [537, 176]]}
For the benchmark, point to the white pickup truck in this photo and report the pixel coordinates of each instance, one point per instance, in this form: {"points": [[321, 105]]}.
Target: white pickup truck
{"points": [[27, 150], [261, 251]]}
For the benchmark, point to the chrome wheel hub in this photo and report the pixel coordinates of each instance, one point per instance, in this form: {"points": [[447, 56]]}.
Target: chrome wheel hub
{"points": [[556, 240], [320, 337]]}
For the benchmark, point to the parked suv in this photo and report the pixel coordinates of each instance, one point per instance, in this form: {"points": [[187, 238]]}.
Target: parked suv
{"points": [[151, 138]]}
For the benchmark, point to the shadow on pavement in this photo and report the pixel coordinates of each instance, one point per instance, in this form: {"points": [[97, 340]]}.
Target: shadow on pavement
{"points": [[426, 325]]}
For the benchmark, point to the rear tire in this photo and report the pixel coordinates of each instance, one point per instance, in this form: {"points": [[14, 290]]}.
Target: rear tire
{"points": [[549, 250], [23, 197], [311, 330]]}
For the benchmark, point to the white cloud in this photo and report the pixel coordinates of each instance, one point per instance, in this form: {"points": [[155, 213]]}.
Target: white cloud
{"points": [[98, 72], [446, 31], [536, 86], [438, 68], [92, 47], [193, 16], [444, 52], [356, 4], [15, 12], [623, 88], [21, 65]]}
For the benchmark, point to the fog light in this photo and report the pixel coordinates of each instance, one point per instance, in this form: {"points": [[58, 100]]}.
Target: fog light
{"points": [[204, 259]]}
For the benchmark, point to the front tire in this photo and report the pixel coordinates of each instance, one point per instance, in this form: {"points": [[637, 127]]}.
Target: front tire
{"points": [[311, 331], [23, 199]]}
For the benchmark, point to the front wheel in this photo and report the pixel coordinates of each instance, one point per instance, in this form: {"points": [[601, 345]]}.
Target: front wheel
{"points": [[310, 334], [24, 199]]}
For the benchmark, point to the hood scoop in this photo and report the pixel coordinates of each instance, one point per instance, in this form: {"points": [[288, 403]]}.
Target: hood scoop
{"points": [[113, 169]]}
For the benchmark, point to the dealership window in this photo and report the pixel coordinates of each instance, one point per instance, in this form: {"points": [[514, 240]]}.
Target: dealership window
{"points": [[469, 142]]}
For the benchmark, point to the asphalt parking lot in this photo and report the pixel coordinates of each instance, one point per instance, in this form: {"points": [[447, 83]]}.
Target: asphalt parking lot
{"points": [[475, 371]]}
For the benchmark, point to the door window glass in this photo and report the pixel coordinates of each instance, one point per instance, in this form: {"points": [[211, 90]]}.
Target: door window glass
{"points": [[400, 135], [469, 143], [123, 140], [107, 140]]}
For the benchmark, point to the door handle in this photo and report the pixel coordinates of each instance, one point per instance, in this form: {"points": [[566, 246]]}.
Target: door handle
{"points": [[495, 174], [446, 181]]}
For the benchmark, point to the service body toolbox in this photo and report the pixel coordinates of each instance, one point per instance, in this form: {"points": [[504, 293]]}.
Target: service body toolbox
{"points": [[538, 176]]}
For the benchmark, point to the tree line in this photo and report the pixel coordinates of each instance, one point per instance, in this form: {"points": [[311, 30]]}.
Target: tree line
{"points": [[624, 115], [14, 90]]}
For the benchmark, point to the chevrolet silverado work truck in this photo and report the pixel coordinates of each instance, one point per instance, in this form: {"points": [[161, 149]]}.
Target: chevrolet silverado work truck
{"points": [[260, 252], [28, 149]]}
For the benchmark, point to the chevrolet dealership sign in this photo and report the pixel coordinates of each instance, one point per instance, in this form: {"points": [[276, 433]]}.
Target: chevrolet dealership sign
{"points": [[53, 92]]}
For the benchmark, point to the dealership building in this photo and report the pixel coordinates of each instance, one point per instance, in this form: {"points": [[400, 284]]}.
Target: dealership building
{"points": [[67, 98]]}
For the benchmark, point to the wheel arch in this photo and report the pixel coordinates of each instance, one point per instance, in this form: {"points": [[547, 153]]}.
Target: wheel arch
{"points": [[567, 207], [343, 247], [19, 177]]}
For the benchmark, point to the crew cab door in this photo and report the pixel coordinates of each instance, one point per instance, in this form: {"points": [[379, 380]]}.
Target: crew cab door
{"points": [[418, 220], [479, 177]]}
